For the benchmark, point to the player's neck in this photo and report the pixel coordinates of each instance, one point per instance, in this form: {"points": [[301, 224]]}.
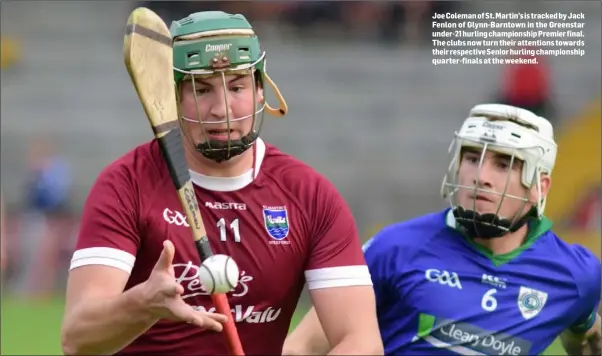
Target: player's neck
{"points": [[234, 167], [505, 244]]}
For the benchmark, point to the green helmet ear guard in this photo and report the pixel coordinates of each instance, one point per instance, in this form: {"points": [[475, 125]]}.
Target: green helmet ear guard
{"points": [[211, 42]]}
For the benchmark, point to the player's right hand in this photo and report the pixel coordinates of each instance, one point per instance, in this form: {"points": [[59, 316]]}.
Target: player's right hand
{"points": [[162, 295]]}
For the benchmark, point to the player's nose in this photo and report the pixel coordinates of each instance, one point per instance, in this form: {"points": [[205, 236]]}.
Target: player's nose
{"points": [[220, 108], [483, 177]]}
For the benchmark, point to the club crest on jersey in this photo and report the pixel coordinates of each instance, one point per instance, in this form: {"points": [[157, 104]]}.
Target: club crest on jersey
{"points": [[276, 223], [531, 302]]}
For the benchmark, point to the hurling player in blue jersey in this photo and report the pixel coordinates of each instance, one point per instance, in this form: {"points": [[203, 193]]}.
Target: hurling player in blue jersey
{"points": [[486, 276]]}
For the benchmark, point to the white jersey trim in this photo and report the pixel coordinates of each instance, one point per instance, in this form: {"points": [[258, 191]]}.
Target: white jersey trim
{"points": [[344, 276], [105, 256], [230, 184]]}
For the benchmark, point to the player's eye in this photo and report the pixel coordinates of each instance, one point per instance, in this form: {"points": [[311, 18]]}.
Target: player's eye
{"points": [[503, 165], [471, 158], [237, 88], [507, 163], [201, 91]]}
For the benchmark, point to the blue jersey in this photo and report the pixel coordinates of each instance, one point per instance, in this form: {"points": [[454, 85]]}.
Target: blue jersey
{"points": [[438, 292]]}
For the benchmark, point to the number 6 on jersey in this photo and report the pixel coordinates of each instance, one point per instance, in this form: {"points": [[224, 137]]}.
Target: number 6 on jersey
{"points": [[488, 302]]}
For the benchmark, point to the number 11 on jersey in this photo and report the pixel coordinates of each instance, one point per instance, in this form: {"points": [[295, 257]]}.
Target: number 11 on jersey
{"points": [[234, 226]]}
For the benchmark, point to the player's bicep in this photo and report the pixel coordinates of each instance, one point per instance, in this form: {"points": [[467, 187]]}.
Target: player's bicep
{"points": [[347, 311], [92, 282]]}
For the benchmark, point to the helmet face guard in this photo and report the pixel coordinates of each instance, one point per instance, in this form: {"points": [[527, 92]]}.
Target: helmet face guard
{"points": [[517, 135], [485, 224], [216, 44]]}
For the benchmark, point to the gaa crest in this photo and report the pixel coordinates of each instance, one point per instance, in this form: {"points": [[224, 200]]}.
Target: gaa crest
{"points": [[276, 222], [531, 302]]}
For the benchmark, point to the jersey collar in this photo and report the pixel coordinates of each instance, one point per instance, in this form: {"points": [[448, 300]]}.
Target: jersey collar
{"points": [[537, 228], [230, 184]]}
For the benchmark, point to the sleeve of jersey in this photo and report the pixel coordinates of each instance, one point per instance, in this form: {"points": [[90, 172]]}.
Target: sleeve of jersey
{"points": [[590, 284], [108, 233], [336, 258], [385, 261]]}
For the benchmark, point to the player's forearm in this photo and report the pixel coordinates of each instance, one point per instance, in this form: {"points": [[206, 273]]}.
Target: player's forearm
{"points": [[588, 343], [103, 327], [573, 344], [308, 338], [306, 341], [358, 344]]}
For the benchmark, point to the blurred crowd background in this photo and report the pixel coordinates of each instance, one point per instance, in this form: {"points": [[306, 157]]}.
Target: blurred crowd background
{"points": [[367, 109]]}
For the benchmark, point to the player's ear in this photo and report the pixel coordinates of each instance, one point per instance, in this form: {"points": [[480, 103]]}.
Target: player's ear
{"points": [[546, 184], [260, 95]]}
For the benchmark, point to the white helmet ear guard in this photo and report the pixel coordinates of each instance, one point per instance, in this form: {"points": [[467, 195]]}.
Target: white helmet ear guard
{"points": [[511, 131]]}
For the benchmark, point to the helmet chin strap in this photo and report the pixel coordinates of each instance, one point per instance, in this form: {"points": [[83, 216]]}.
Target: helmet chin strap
{"points": [[220, 151], [488, 226]]}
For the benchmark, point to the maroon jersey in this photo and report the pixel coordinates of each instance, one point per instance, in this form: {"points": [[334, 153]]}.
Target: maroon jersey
{"points": [[282, 222]]}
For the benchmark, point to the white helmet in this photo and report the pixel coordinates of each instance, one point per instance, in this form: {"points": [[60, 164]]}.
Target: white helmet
{"points": [[512, 131]]}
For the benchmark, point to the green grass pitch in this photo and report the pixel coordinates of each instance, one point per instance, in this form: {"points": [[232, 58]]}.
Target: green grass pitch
{"points": [[33, 328]]}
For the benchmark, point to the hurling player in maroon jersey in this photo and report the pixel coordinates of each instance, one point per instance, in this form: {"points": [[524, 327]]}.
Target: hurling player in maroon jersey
{"points": [[133, 283]]}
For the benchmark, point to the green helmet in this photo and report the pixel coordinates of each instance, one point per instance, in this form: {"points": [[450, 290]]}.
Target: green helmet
{"points": [[211, 43]]}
